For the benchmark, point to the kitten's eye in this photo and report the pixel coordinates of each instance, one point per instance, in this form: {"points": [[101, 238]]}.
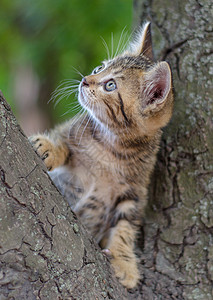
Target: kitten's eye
{"points": [[98, 69], [110, 85]]}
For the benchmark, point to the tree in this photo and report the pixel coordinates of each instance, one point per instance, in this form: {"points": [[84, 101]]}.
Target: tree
{"points": [[45, 253], [175, 247]]}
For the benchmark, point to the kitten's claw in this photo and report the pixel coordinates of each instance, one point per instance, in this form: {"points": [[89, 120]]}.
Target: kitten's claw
{"points": [[45, 149], [107, 252]]}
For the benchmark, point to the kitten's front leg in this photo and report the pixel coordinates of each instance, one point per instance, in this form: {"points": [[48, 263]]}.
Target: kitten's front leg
{"points": [[121, 248], [53, 153]]}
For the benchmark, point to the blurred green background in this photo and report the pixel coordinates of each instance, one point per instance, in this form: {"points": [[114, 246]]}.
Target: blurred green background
{"points": [[42, 41]]}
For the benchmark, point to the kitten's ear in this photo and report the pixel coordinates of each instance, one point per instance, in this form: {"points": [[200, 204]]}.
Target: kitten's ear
{"points": [[157, 84], [143, 42]]}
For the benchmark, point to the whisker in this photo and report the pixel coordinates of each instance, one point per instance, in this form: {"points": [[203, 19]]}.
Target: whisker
{"points": [[84, 130], [69, 80], [78, 72], [76, 106], [106, 47], [63, 96], [83, 119], [128, 40], [75, 119], [64, 89], [65, 83], [62, 85], [112, 45], [71, 109], [119, 42], [63, 92]]}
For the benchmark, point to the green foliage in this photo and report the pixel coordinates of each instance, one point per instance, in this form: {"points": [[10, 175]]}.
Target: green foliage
{"points": [[56, 36]]}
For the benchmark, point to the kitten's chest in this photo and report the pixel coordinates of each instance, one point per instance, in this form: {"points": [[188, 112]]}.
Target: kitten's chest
{"points": [[98, 176], [103, 162]]}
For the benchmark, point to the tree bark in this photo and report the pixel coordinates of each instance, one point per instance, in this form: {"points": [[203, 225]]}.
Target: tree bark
{"points": [[44, 252], [177, 258]]}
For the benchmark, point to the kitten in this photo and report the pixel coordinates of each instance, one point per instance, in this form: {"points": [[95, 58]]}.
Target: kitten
{"points": [[109, 154]]}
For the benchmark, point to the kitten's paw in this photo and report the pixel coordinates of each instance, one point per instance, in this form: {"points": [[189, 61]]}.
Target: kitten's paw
{"points": [[107, 252], [126, 271], [45, 149]]}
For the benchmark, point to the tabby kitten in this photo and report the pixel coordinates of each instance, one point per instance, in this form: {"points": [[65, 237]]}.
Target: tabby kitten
{"points": [[109, 154]]}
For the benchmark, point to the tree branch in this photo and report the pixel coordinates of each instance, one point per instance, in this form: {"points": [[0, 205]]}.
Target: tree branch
{"points": [[45, 252]]}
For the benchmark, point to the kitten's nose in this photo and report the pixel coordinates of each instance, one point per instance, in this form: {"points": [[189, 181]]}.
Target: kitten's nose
{"points": [[84, 82]]}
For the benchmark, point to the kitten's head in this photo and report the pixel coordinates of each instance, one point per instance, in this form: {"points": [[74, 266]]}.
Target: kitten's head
{"points": [[130, 92]]}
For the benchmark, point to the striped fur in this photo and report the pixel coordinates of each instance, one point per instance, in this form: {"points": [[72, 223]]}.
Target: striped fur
{"points": [[102, 161]]}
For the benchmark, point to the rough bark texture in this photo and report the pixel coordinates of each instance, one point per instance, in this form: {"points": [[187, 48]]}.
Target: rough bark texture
{"points": [[44, 251], [177, 259]]}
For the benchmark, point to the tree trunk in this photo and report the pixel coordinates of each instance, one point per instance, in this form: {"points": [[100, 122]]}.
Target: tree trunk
{"points": [[44, 251], [177, 259]]}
